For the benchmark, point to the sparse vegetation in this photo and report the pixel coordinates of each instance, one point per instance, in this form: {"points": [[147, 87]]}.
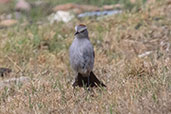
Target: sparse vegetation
{"points": [[136, 83]]}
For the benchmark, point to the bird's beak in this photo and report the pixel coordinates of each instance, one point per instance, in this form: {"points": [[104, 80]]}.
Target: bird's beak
{"points": [[76, 33]]}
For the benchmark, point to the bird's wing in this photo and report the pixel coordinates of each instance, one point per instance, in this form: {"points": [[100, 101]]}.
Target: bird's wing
{"points": [[89, 51]]}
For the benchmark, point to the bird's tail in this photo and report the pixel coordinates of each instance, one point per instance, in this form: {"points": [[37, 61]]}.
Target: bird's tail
{"points": [[93, 81]]}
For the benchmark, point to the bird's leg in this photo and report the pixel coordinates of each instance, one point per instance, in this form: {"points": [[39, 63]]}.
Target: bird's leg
{"points": [[88, 81], [79, 80], [76, 83]]}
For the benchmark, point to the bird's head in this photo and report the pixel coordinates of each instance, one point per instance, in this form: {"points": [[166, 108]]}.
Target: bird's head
{"points": [[81, 31]]}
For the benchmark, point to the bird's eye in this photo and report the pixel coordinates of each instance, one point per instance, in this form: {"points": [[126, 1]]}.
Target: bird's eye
{"points": [[82, 31]]}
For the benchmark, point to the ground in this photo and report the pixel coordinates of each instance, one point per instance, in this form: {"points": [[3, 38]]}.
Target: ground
{"points": [[133, 59]]}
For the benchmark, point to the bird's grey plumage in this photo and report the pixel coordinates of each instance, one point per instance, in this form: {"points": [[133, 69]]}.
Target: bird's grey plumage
{"points": [[82, 52]]}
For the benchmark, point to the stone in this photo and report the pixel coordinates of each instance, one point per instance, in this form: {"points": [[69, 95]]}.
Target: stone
{"points": [[113, 6], [8, 22], [4, 1], [63, 16], [22, 5], [88, 7], [133, 1], [64, 7], [75, 7]]}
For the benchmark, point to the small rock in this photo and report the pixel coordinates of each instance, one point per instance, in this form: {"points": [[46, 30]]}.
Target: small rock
{"points": [[99, 13], [77, 10], [88, 7], [63, 16], [108, 7], [4, 1], [111, 7], [8, 22], [75, 7], [64, 7], [22, 5], [132, 1]]}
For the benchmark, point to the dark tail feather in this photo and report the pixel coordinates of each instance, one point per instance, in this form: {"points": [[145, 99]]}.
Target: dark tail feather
{"points": [[79, 81], [94, 79], [83, 81]]}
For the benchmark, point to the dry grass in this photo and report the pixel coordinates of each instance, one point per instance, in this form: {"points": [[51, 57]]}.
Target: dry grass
{"points": [[135, 84]]}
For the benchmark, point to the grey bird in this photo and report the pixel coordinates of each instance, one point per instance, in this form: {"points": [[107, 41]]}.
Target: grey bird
{"points": [[82, 55]]}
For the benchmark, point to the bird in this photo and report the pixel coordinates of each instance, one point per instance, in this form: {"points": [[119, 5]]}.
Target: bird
{"points": [[81, 55]]}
